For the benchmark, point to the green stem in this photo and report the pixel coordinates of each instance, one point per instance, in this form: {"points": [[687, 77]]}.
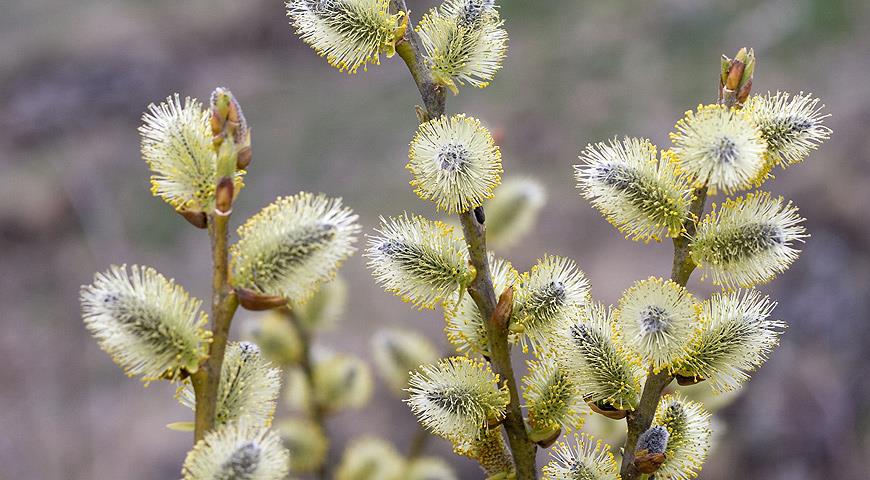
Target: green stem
{"points": [[484, 296], [640, 419], [206, 380], [409, 49], [481, 289]]}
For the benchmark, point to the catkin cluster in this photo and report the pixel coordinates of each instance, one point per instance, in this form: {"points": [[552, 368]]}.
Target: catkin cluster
{"points": [[585, 357], [589, 357], [153, 329]]}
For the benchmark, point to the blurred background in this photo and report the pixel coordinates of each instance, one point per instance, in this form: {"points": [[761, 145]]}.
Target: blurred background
{"points": [[76, 76]]}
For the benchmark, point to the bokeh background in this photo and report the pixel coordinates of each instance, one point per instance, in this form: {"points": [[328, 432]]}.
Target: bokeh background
{"points": [[76, 76]]}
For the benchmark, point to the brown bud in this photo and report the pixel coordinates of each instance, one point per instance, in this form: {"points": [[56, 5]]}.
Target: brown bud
{"points": [[503, 309], [686, 381], [647, 462], [725, 64], [744, 91], [735, 73], [217, 124], [227, 119], [224, 196], [608, 411], [195, 218], [220, 101], [234, 114], [251, 300], [244, 158], [735, 79]]}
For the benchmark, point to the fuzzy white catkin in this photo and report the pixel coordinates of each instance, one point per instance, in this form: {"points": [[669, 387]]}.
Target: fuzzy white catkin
{"points": [[349, 33], [177, 145], [791, 125], [455, 163], [553, 400], [688, 426], [581, 458], [657, 319], [553, 290], [641, 193], [147, 323], [237, 450], [293, 245], [464, 42], [721, 147], [248, 388], [422, 261], [748, 240], [456, 398], [736, 338], [586, 349]]}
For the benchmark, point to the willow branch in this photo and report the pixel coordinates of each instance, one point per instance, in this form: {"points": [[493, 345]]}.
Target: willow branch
{"points": [[409, 49], [481, 289], [641, 418], [734, 87], [206, 380], [483, 294]]}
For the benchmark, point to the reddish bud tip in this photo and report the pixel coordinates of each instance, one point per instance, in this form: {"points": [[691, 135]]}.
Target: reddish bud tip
{"points": [[686, 381], [504, 308], [195, 218], [607, 410], [744, 92], [224, 196], [735, 73], [647, 462], [251, 300], [243, 159]]}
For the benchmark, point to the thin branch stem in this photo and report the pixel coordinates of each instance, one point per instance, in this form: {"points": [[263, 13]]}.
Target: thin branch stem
{"points": [[206, 380], [483, 294], [641, 418], [481, 289], [408, 48]]}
